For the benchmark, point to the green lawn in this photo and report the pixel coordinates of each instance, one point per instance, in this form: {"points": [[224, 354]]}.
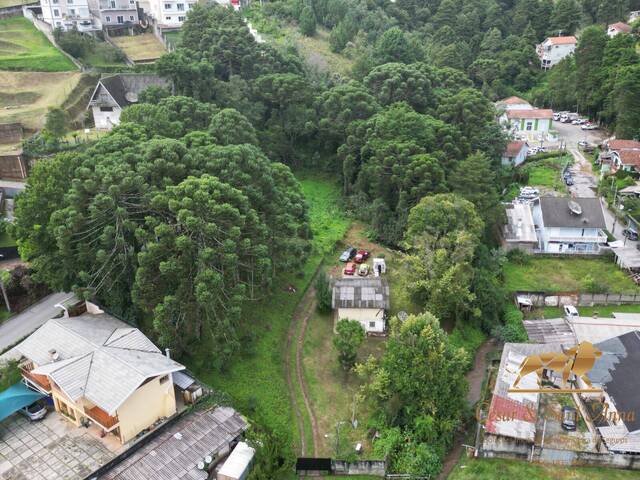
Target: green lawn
{"points": [[24, 48], [601, 310], [500, 469], [546, 173], [255, 378], [566, 274]]}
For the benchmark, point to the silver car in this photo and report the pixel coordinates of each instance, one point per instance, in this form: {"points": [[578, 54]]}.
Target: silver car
{"points": [[36, 411]]}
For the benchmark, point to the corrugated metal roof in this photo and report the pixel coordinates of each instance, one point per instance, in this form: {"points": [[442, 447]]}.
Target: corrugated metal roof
{"points": [[595, 330], [182, 380], [552, 330], [97, 357], [360, 293], [238, 462]]}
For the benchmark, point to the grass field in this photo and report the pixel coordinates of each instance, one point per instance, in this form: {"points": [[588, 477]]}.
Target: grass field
{"points": [[499, 469], [24, 48], [140, 48], [255, 379], [28, 95], [546, 173], [13, 3], [316, 51], [600, 310], [566, 274]]}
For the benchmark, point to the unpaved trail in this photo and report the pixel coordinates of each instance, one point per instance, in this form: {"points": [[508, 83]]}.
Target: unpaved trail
{"points": [[295, 380], [475, 378]]}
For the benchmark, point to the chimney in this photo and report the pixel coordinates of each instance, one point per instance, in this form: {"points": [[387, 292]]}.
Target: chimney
{"points": [[167, 352], [53, 354]]}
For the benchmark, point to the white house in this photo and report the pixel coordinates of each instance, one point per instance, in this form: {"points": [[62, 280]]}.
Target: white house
{"points": [[569, 225], [515, 153], [69, 15], [167, 14], [621, 154], [115, 12], [513, 103], [363, 299], [633, 16], [554, 49], [531, 124], [617, 28], [115, 92]]}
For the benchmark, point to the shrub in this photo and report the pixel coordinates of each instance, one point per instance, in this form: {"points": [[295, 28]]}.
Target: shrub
{"points": [[9, 374], [519, 257], [347, 341], [323, 293], [591, 285], [513, 329], [307, 22]]}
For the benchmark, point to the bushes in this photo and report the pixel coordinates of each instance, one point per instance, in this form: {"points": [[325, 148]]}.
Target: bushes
{"points": [[323, 293], [519, 257], [88, 49], [350, 336], [513, 329]]}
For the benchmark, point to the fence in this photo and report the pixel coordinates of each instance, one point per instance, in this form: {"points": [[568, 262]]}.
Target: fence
{"points": [[543, 299], [318, 466]]}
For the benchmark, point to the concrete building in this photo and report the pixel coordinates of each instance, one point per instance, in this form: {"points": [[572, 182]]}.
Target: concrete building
{"points": [[167, 14], [554, 49], [69, 15], [618, 28], [363, 299], [515, 153], [97, 369], [519, 231], [569, 225], [513, 103], [531, 124], [115, 92], [115, 12]]}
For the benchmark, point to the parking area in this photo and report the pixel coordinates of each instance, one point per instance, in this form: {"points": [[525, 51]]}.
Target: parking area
{"points": [[549, 425], [51, 448]]}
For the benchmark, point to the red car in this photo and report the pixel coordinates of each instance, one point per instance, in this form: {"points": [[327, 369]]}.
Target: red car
{"points": [[361, 256], [350, 269]]}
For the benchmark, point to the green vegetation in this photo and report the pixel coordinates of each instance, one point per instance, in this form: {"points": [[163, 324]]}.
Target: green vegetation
{"points": [[89, 50], [544, 274], [491, 469], [600, 310], [546, 173], [6, 240], [9, 374], [23, 47]]}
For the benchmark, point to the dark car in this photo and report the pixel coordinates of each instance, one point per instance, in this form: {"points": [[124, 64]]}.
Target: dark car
{"points": [[569, 418], [630, 233], [568, 181], [347, 254]]}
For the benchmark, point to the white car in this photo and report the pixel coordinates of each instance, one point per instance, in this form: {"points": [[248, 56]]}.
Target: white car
{"points": [[589, 126], [570, 311]]}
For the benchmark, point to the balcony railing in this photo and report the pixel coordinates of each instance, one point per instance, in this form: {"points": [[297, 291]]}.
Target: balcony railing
{"points": [[103, 418], [590, 239], [39, 380]]}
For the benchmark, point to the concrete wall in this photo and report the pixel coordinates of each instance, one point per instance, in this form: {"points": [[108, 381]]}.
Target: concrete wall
{"points": [[371, 319], [362, 467], [148, 403], [542, 299]]}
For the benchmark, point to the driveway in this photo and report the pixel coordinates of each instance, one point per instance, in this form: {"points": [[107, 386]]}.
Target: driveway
{"points": [[22, 324]]}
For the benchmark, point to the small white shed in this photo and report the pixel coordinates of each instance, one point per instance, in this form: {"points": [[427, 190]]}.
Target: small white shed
{"points": [[238, 464], [363, 299], [379, 266]]}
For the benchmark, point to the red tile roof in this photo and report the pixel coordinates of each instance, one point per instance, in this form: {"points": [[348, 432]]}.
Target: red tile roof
{"points": [[505, 409], [562, 40], [513, 101], [535, 113], [623, 144], [514, 148], [630, 157], [621, 27]]}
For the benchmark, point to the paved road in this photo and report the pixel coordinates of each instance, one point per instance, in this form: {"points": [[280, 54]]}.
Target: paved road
{"points": [[25, 322]]}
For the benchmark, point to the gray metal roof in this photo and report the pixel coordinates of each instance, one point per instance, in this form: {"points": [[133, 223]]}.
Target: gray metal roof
{"points": [[96, 356], [174, 454], [360, 293], [121, 85], [182, 380], [556, 213], [552, 330]]}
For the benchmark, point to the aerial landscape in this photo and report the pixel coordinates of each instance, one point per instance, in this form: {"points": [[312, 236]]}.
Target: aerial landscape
{"points": [[348, 239]]}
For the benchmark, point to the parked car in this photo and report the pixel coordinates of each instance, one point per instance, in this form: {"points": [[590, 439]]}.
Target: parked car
{"points": [[350, 269], [583, 143], [361, 256], [569, 181], [363, 270], [36, 411], [347, 254], [630, 233], [570, 311], [569, 418], [589, 126]]}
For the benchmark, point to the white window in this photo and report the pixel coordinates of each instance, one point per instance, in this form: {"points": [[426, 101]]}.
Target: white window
{"points": [[131, 18], [372, 324], [529, 126], [182, 19], [72, 11], [56, 12], [55, 1], [180, 7], [113, 4], [132, 2], [59, 24], [167, 6], [120, 19], [107, 18], [167, 18], [69, 2]]}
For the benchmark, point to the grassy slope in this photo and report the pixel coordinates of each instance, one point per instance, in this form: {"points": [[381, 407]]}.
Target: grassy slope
{"points": [[566, 274], [255, 379], [546, 173], [23, 47], [498, 469]]}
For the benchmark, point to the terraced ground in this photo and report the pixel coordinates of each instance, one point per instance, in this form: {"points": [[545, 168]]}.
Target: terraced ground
{"points": [[25, 48], [143, 48]]}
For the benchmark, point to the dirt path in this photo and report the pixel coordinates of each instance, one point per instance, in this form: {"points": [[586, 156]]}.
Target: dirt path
{"points": [[299, 323], [475, 378]]}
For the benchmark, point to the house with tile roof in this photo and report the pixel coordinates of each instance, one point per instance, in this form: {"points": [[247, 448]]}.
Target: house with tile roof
{"points": [[531, 124], [513, 103], [621, 154], [115, 92], [97, 369], [515, 153], [618, 28], [555, 49]]}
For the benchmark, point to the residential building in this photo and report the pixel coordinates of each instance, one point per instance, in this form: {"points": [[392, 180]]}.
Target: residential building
{"points": [[115, 92], [633, 16], [515, 153], [532, 124], [519, 232], [97, 369], [174, 454], [167, 14], [617, 28], [114, 13], [621, 154], [363, 299], [554, 49], [569, 225], [69, 15], [513, 103]]}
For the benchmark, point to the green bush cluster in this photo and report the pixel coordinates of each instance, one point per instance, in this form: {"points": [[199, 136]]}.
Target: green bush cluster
{"points": [[513, 329]]}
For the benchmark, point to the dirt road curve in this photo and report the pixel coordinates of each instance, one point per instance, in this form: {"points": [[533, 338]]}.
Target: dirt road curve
{"points": [[475, 378]]}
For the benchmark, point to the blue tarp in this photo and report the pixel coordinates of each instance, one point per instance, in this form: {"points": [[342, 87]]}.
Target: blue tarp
{"points": [[16, 397]]}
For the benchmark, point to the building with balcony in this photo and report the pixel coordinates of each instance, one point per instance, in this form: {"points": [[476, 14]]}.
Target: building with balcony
{"points": [[69, 15], [115, 92], [167, 14], [99, 370], [569, 225], [554, 49], [115, 13]]}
